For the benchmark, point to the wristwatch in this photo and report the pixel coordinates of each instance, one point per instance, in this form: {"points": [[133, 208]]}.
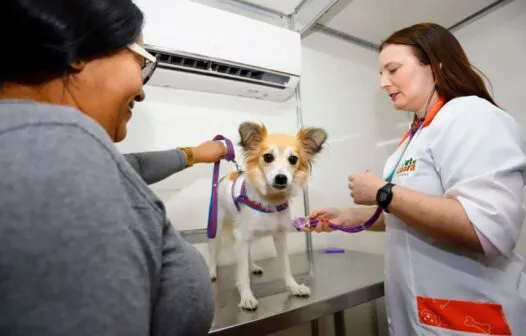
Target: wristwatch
{"points": [[384, 196], [189, 155]]}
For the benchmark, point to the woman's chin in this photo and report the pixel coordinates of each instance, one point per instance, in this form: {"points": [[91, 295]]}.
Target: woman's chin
{"points": [[122, 131], [400, 106]]}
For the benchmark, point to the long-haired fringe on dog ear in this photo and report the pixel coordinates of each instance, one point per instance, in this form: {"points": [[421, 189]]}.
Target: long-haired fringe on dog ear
{"points": [[251, 135], [312, 140]]}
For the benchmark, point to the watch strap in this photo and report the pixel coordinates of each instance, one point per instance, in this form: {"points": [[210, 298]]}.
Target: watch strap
{"points": [[383, 202], [188, 154]]}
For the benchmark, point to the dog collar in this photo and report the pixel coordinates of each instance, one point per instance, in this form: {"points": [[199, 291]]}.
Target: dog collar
{"points": [[244, 199]]}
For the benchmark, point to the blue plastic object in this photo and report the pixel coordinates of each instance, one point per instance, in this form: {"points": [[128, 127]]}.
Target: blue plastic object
{"points": [[333, 250]]}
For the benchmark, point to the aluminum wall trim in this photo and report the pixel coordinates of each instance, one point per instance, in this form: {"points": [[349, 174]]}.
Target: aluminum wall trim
{"points": [[257, 8], [317, 17], [346, 37], [479, 14]]}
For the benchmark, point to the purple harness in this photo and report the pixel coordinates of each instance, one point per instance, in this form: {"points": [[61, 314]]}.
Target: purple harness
{"points": [[243, 198]]}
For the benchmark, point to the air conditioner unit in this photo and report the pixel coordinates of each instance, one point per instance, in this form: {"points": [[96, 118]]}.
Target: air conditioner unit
{"points": [[206, 49]]}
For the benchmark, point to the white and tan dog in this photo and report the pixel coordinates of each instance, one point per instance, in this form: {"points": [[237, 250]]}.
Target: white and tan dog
{"points": [[254, 204]]}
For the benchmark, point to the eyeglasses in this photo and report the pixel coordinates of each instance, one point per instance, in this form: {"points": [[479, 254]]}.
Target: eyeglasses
{"points": [[150, 61]]}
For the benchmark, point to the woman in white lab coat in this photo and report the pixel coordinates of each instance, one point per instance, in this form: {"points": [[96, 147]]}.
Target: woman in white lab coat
{"points": [[453, 204]]}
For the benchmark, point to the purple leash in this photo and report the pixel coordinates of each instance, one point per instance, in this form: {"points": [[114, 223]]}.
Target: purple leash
{"points": [[301, 222], [211, 229]]}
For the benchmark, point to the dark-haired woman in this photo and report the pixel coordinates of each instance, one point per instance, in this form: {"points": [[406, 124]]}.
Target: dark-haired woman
{"points": [[85, 246], [453, 207]]}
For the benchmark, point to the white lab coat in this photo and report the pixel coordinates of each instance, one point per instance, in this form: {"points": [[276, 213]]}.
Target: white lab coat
{"points": [[474, 152]]}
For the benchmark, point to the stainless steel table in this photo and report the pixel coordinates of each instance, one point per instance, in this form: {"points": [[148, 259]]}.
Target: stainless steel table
{"points": [[338, 282]]}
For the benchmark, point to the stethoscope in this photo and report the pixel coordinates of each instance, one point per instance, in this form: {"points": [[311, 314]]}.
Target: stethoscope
{"points": [[416, 125]]}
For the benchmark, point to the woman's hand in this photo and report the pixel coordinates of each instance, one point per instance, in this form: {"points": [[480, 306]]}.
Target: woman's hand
{"points": [[333, 215], [364, 187], [348, 217], [209, 152]]}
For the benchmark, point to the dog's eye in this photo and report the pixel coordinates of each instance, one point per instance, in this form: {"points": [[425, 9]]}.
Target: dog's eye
{"points": [[293, 159], [268, 158]]}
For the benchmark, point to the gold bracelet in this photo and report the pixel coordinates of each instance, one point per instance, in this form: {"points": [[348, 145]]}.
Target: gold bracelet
{"points": [[189, 155]]}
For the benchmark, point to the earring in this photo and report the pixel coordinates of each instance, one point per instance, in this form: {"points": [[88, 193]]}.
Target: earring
{"points": [[77, 65]]}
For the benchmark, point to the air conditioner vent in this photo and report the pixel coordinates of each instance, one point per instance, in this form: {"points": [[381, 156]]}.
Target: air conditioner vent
{"points": [[217, 69]]}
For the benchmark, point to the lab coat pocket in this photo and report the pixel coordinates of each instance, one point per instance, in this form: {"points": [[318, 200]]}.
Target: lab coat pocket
{"points": [[464, 297], [463, 316], [493, 311]]}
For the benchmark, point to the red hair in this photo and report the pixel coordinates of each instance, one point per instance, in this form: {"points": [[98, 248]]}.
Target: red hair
{"points": [[436, 46]]}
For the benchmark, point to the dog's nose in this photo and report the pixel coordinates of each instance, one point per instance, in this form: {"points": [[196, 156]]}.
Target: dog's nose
{"points": [[280, 179]]}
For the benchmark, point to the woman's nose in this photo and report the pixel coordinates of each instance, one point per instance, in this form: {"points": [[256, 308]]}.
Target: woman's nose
{"points": [[384, 82]]}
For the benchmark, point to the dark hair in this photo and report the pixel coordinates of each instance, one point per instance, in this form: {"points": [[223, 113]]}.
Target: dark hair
{"points": [[436, 46], [42, 38]]}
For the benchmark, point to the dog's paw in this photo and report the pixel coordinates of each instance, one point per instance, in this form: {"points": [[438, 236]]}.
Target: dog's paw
{"points": [[299, 290], [256, 270], [248, 302]]}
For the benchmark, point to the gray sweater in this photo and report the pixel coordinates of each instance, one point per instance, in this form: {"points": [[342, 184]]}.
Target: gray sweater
{"points": [[156, 166], [85, 246]]}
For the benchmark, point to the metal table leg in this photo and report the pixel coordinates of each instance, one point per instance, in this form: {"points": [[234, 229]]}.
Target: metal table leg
{"points": [[314, 330], [339, 324]]}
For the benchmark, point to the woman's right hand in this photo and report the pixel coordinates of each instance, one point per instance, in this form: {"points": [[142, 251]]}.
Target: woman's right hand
{"points": [[209, 152], [334, 215], [347, 217]]}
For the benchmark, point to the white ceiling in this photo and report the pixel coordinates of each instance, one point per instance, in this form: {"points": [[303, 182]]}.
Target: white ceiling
{"points": [[374, 20]]}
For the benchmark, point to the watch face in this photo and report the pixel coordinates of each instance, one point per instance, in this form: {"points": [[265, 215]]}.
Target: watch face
{"points": [[382, 197]]}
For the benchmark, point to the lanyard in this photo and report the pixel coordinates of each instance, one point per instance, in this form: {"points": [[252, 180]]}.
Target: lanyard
{"points": [[412, 132], [415, 127]]}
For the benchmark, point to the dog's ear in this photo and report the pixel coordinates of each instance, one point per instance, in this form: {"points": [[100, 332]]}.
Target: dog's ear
{"points": [[251, 135], [312, 140]]}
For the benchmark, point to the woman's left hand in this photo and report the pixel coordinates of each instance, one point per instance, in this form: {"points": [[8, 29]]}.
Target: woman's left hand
{"points": [[364, 187], [209, 152]]}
